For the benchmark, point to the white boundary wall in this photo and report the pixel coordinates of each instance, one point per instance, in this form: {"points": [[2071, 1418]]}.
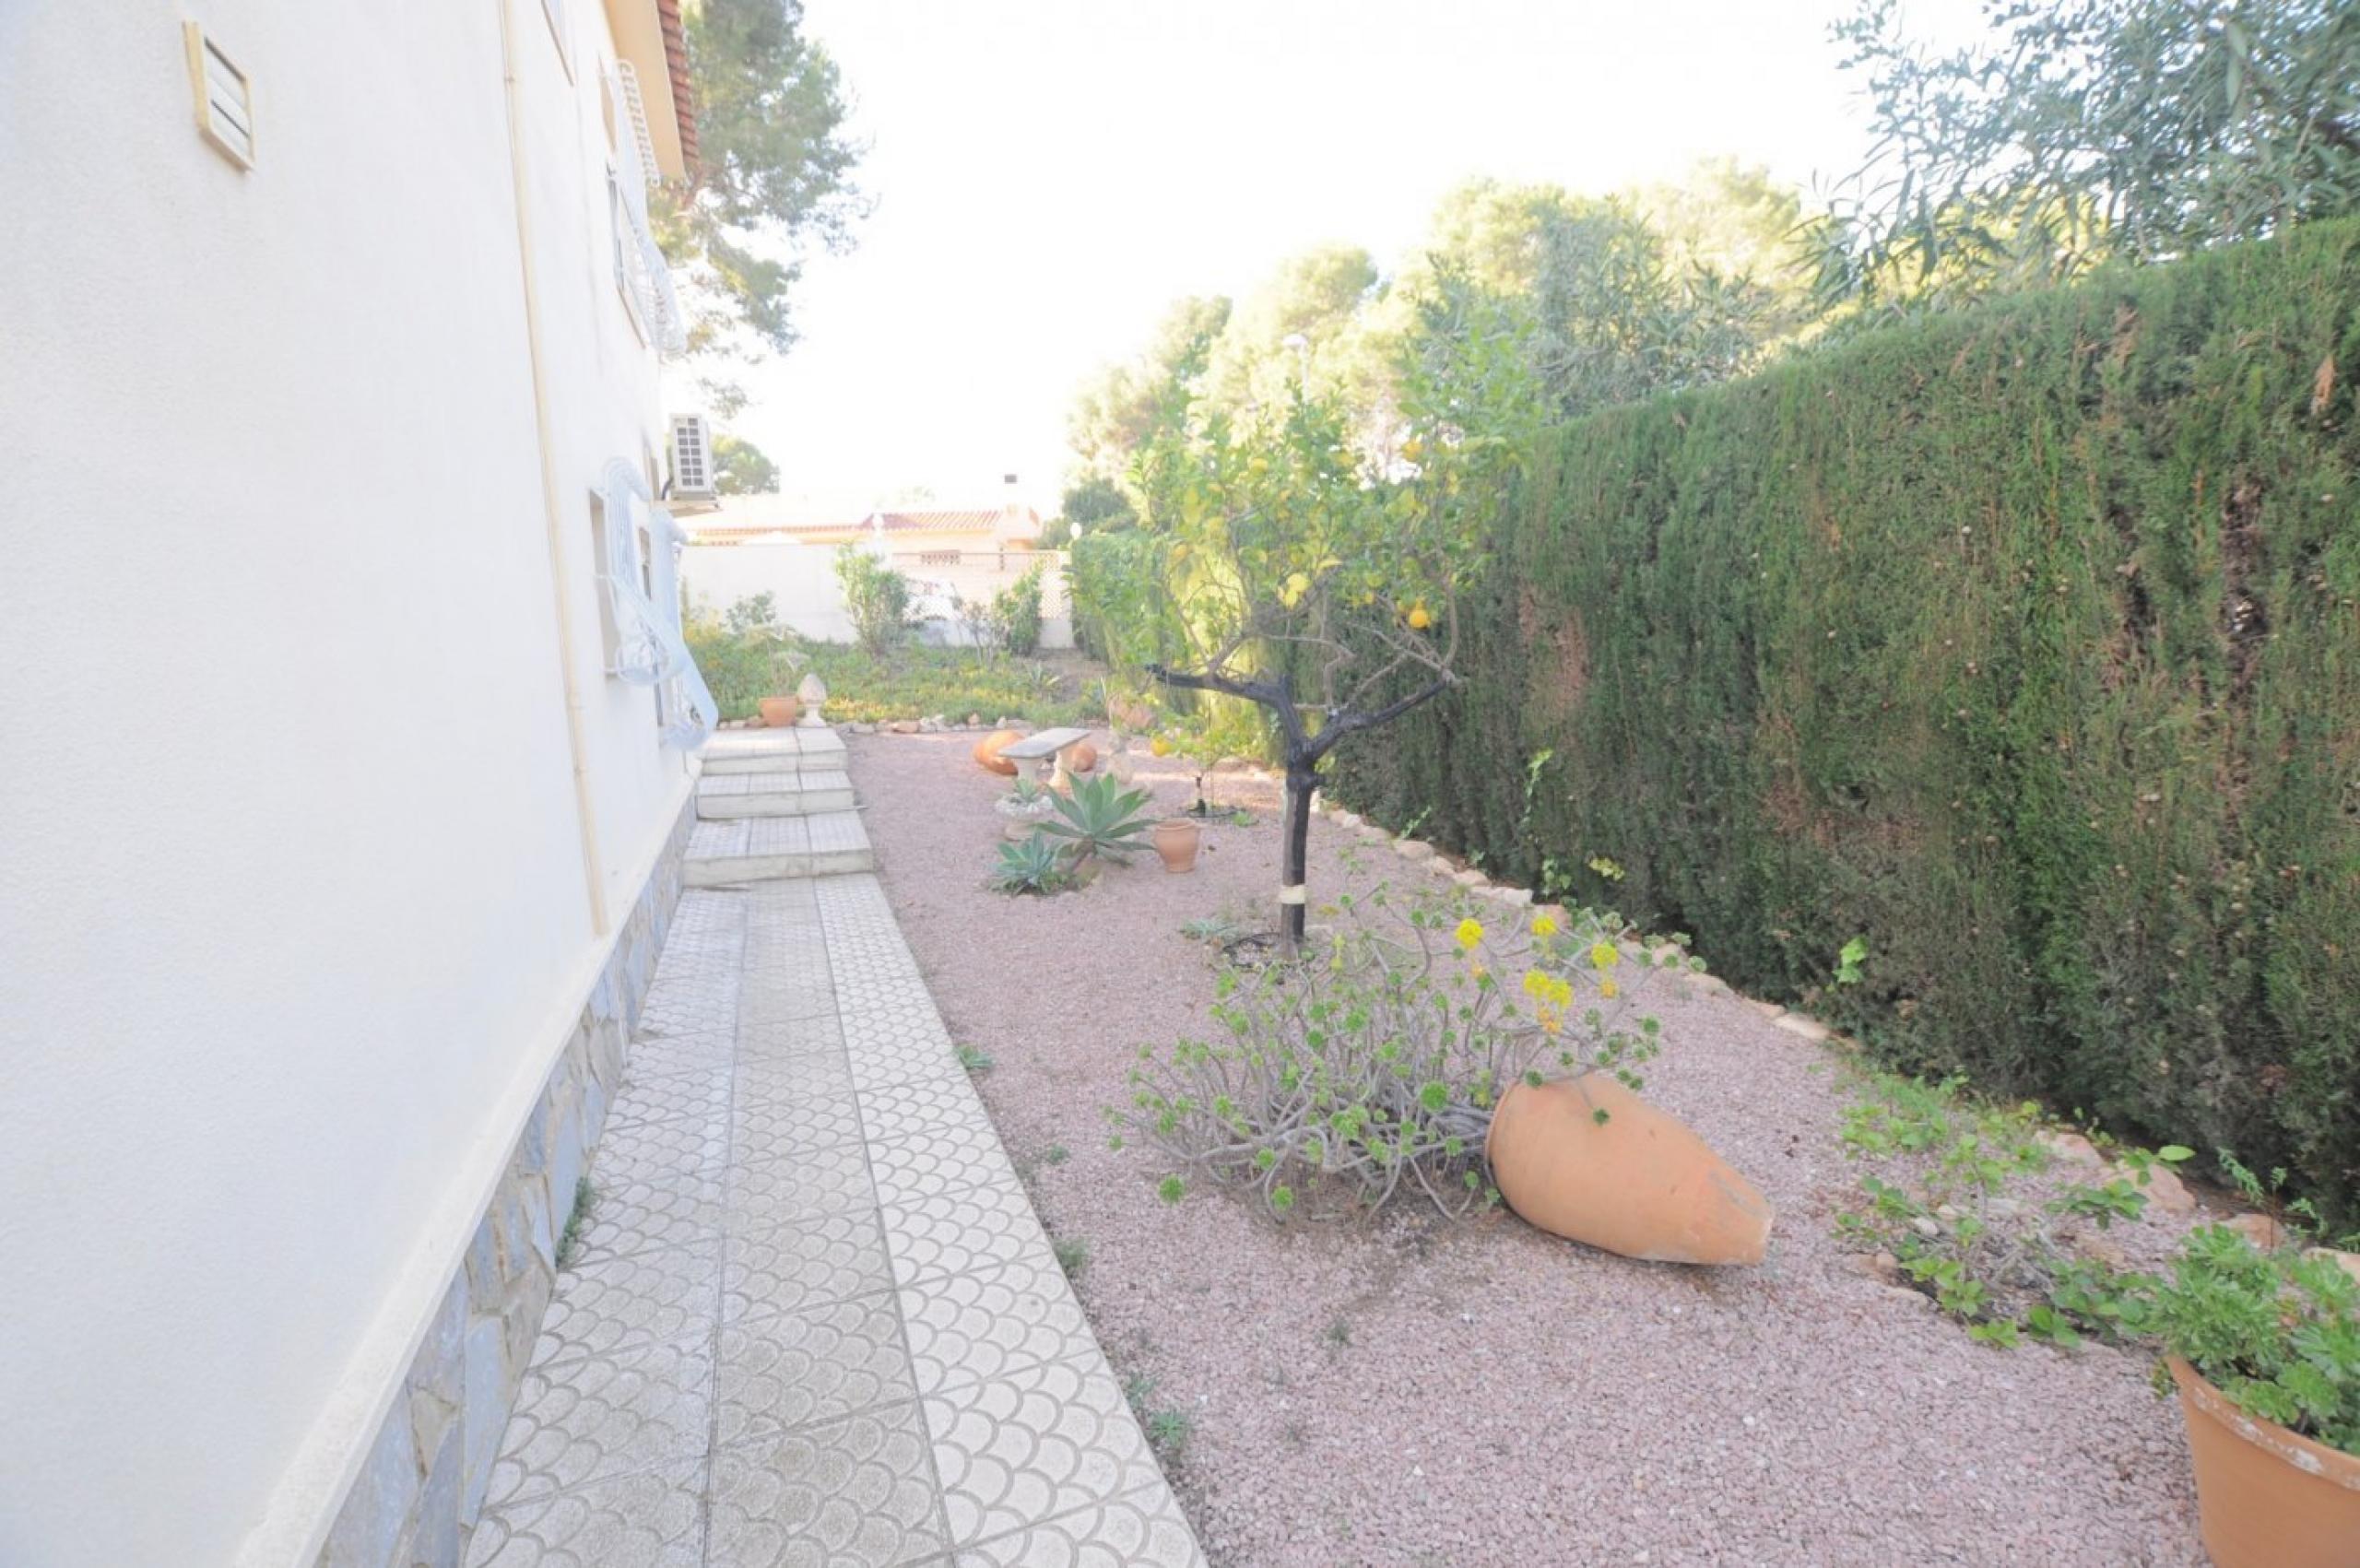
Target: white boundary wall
{"points": [[801, 578]]}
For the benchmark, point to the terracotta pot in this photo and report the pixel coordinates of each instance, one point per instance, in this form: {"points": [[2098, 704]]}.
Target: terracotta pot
{"points": [[778, 713], [1175, 839], [988, 755], [1639, 1183], [2266, 1497], [1082, 757]]}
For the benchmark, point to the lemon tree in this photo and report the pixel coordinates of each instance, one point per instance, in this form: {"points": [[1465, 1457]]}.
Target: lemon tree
{"points": [[1274, 563]]}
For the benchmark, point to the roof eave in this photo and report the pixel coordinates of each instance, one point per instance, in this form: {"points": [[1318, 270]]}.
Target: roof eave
{"points": [[648, 33]]}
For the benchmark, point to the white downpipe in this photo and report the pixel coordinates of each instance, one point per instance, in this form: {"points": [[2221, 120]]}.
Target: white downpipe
{"points": [[592, 872]]}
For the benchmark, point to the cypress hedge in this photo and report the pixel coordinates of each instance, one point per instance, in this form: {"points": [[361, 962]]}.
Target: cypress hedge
{"points": [[2023, 644]]}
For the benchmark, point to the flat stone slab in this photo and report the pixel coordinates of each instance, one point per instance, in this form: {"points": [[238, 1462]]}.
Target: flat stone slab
{"points": [[756, 849], [1046, 743], [802, 793], [773, 750], [813, 1318]]}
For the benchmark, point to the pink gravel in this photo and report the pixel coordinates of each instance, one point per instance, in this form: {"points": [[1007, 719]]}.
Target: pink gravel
{"points": [[1501, 1396]]}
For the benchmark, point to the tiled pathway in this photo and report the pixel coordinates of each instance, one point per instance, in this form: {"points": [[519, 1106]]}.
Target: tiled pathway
{"points": [[813, 1319]]}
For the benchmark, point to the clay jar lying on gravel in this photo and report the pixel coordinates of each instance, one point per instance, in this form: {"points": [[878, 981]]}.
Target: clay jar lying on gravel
{"points": [[987, 750], [2266, 1497], [1639, 1183]]}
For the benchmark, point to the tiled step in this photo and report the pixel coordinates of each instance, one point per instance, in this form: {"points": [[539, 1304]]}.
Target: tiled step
{"points": [[721, 796], [758, 849], [774, 751]]}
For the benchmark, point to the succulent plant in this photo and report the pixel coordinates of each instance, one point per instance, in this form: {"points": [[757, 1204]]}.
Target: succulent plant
{"points": [[1032, 866], [1102, 818]]}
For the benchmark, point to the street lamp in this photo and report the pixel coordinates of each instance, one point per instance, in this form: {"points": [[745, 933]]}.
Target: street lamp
{"points": [[1302, 347]]}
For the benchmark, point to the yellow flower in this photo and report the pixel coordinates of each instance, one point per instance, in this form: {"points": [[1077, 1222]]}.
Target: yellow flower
{"points": [[1470, 932], [1536, 985], [1161, 747], [1420, 618], [1604, 956], [1608, 989], [1561, 993], [1550, 1023], [1544, 926]]}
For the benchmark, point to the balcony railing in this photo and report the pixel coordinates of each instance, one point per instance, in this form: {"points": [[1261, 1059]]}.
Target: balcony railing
{"points": [[642, 587], [639, 268]]}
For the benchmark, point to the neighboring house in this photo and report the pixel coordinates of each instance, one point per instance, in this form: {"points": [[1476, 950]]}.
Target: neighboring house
{"points": [[757, 544], [346, 755]]}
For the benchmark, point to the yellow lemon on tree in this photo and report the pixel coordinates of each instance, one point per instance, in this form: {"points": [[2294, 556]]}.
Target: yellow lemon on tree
{"points": [[1160, 746], [1296, 587]]}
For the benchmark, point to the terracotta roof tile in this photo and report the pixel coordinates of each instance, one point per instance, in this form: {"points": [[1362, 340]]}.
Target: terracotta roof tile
{"points": [[676, 60]]}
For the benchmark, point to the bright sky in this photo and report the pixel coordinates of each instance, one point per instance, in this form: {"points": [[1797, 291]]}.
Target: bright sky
{"points": [[1049, 174]]}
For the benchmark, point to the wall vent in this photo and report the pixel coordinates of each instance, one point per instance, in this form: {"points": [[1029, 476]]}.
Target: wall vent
{"points": [[225, 98]]}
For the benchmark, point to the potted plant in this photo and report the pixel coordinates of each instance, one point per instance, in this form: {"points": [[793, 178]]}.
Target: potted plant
{"points": [[1023, 809], [2264, 1350], [1176, 839], [780, 707]]}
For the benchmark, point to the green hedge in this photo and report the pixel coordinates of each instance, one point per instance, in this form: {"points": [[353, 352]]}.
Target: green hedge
{"points": [[2025, 644]]}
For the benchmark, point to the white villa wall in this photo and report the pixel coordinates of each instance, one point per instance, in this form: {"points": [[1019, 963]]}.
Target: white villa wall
{"points": [[292, 906], [802, 579]]}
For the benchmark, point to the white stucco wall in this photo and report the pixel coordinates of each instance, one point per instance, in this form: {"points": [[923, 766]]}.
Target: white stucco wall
{"points": [[293, 908]]}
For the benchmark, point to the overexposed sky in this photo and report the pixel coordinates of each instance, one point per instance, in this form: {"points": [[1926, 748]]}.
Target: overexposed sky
{"points": [[1049, 174]]}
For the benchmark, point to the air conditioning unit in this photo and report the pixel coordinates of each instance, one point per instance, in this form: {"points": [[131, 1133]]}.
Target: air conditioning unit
{"points": [[692, 466]]}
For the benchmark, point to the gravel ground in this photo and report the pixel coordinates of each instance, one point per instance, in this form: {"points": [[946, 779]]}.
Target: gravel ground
{"points": [[1409, 1391]]}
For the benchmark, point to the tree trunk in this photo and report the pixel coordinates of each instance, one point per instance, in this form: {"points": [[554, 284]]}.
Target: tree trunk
{"points": [[1303, 784]]}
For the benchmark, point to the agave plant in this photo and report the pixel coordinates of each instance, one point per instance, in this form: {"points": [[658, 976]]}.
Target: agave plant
{"points": [[1032, 866], [1102, 818]]}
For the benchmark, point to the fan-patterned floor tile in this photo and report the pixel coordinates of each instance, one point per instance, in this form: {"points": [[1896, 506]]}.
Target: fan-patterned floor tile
{"points": [[580, 1421], [777, 1189], [654, 1519], [967, 1327], [812, 1318], [639, 1213], [1042, 1441], [670, 1293], [857, 1493], [1143, 1530], [940, 1160], [792, 1369], [956, 1232], [771, 1127], [651, 1149], [902, 1110], [792, 1266], [666, 1097]]}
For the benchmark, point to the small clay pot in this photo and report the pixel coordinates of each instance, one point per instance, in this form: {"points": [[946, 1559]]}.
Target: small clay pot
{"points": [[778, 713], [1177, 840], [1638, 1182], [988, 751], [2266, 1497], [1082, 757]]}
